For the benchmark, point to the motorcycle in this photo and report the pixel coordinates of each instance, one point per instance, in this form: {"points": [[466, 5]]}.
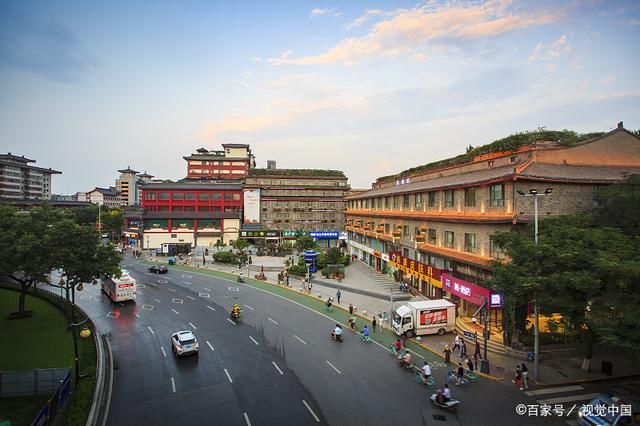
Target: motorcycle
{"points": [[336, 337], [451, 404], [236, 315], [240, 280]]}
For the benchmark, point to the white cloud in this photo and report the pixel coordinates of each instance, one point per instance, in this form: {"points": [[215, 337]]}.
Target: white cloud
{"points": [[559, 47], [325, 12], [366, 17], [634, 22], [402, 31], [549, 54]]}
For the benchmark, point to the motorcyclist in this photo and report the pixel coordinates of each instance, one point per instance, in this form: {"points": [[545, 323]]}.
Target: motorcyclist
{"points": [[397, 345], [446, 393], [236, 310], [365, 331], [426, 372], [329, 302], [337, 332], [405, 361], [460, 375]]}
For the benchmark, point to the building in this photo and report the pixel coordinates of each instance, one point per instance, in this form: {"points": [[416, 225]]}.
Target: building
{"points": [[295, 199], [432, 226], [233, 162], [21, 181], [109, 197], [129, 186], [181, 215]]}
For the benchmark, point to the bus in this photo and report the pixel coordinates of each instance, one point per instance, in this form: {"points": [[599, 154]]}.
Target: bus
{"points": [[120, 289]]}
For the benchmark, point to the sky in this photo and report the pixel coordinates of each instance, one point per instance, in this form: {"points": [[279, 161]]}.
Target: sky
{"points": [[367, 87]]}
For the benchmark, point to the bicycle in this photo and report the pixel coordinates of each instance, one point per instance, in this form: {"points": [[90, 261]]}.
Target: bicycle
{"points": [[365, 339], [471, 376], [430, 382], [329, 308]]}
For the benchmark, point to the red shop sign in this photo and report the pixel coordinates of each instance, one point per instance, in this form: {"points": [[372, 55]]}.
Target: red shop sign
{"points": [[464, 289]]}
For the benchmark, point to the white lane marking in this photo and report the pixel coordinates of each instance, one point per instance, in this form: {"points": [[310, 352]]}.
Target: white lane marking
{"points": [[246, 419], [204, 288], [147, 307], [170, 289], [177, 300], [136, 314], [311, 411], [334, 367], [303, 342], [417, 354], [151, 330], [249, 307], [228, 375], [192, 298], [157, 300], [209, 344], [554, 390], [175, 312], [210, 308], [205, 295], [254, 341], [173, 385], [194, 327], [163, 352], [231, 321], [584, 397], [140, 292], [273, 321], [186, 282], [276, 366]]}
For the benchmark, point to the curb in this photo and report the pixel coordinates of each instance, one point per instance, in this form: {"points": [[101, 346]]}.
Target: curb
{"points": [[591, 380]]}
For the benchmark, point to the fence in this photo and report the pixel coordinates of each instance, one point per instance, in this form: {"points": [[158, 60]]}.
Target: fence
{"points": [[20, 383]]}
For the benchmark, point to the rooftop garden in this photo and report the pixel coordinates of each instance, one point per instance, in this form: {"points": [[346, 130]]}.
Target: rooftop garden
{"points": [[510, 143], [296, 172]]}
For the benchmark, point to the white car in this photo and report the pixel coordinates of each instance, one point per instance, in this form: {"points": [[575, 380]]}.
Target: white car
{"points": [[184, 343]]}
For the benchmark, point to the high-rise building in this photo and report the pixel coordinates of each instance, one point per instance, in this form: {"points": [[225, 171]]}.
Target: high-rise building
{"points": [[127, 184], [21, 181]]}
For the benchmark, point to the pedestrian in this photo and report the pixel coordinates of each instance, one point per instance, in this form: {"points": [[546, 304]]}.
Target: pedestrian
{"points": [[350, 309], [525, 377], [470, 364], [250, 260], [517, 379], [456, 341], [463, 349], [338, 294], [476, 353], [287, 278], [352, 322], [374, 322], [447, 354]]}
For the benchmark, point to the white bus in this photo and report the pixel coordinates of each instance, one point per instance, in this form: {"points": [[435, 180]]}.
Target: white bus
{"points": [[120, 289]]}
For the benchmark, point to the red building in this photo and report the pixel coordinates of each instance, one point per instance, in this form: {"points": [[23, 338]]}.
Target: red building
{"points": [[233, 162]]}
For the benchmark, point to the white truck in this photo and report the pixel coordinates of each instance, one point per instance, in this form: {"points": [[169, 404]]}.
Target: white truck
{"points": [[424, 317]]}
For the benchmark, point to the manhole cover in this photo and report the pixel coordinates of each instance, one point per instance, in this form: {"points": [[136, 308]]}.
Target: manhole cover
{"points": [[500, 369]]}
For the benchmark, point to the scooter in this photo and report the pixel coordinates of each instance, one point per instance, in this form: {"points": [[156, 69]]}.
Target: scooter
{"points": [[236, 315], [451, 404], [336, 337], [240, 279]]}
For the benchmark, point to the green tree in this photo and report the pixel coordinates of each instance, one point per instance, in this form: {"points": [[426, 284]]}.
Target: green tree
{"points": [[618, 206], [86, 215], [240, 244], [112, 222], [305, 242]]}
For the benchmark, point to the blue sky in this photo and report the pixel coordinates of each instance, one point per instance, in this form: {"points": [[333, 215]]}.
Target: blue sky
{"points": [[367, 87]]}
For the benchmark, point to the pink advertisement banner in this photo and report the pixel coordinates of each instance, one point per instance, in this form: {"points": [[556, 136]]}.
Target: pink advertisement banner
{"points": [[464, 289]]}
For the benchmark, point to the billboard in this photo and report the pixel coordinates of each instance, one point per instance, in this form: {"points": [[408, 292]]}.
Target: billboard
{"points": [[251, 205], [433, 317]]}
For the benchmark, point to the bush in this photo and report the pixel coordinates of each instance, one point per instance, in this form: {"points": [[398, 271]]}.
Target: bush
{"points": [[225, 257], [298, 270]]}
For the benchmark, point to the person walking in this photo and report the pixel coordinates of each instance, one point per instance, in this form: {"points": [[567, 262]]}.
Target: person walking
{"points": [[463, 349], [525, 377], [456, 342], [476, 353], [352, 322], [517, 379], [338, 294], [447, 354], [350, 309], [286, 276], [374, 322]]}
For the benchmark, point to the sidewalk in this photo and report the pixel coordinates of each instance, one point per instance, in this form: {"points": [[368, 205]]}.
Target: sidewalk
{"points": [[370, 296]]}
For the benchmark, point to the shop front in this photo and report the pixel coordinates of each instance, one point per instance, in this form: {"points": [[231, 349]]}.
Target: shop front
{"points": [[424, 279], [469, 298]]}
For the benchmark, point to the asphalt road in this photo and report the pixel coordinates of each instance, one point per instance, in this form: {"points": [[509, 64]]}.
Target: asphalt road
{"points": [[277, 366]]}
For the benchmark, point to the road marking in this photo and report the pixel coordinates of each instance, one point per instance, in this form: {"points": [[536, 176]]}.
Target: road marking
{"points": [[231, 321], [584, 397], [234, 289], [185, 282], [205, 295], [273, 321], [140, 286], [210, 308], [254, 341], [303, 342], [170, 289], [157, 300], [246, 419], [204, 288], [554, 390], [334, 367], [147, 307], [228, 375], [175, 312], [249, 307], [311, 411], [194, 327], [173, 385], [210, 346], [192, 298], [163, 352], [162, 281], [177, 300], [276, 366], [113, 314], [140, 292], [151, 330], [136, 314]]}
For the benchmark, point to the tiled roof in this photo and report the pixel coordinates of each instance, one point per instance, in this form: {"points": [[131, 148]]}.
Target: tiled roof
{"points": [[105, 191], [128, 170], [571, 173], [475, 259]]}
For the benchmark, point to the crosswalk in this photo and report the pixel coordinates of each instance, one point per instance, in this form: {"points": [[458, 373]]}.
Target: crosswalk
{"points": [[566, 396]]}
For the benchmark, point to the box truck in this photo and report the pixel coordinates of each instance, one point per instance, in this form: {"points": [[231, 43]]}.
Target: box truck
{"points": [[424, 317]]}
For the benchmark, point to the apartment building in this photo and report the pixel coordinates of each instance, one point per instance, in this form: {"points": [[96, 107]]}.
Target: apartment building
{"points": [[19, 180]]}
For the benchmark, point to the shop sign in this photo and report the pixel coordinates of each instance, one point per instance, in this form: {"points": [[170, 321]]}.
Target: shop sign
{"points": [[419, 270], [260, 234], [324, 235], [496, 300], [361, 247], [466, 290]]}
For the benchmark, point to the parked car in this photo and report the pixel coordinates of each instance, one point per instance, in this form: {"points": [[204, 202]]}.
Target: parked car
{"points": [[184, 343], [158, 269]]}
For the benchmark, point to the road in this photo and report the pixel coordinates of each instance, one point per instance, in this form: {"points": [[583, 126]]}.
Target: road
{"points": [[277, 366]]}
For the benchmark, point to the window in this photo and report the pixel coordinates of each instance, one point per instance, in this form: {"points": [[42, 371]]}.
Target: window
{"points": [[496, 195], [387, 228], [163, 196], [470, 243], [203, 196], [448, 239], [387, 203], [418, 201], [448, 198], [366, 203], [189, 208], [204, 208], [416, 231], [405, 201], [163, 208], [177, 208], [177, 196], [490, 163], [494, 250], [405, 232], [514, 159], [470, 197], [433, 199], [396, 201], [150, 196], [216, 196], [232, 197], [405, 252], [190, 196], [432, 236], [379, 203]]}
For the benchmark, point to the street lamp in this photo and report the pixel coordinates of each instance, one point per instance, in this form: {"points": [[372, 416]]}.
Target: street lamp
{"points": [[536, 330]]}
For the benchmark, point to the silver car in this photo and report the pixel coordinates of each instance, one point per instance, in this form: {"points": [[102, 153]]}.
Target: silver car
{"points": [[184, 343]]}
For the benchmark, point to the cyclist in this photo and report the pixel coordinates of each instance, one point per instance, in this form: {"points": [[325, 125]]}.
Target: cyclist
{"points": [[460, 375], [426, 372], [397, 345], [337, 332], [328, 303], [446, 393], [365, 332], [405, 361]]}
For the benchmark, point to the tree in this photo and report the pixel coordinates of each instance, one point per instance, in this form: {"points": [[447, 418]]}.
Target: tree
{"points": [[240, 244], [618, 206], [588, 274], [112, 222], [305, 242]]}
